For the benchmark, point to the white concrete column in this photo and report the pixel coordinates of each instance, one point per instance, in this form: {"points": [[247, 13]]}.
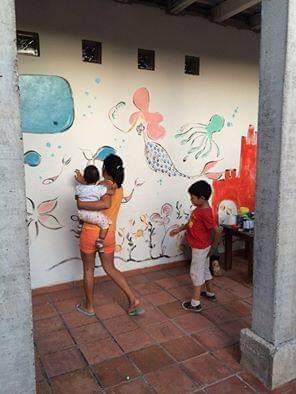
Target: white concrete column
{"points": [[269, 348], [16, 345]]}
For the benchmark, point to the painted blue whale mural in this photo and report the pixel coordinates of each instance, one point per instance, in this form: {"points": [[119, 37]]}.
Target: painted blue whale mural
{"points": [[47, 105]]}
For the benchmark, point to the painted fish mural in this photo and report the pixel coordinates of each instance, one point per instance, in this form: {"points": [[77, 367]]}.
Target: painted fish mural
{"points": [[32, 158]]}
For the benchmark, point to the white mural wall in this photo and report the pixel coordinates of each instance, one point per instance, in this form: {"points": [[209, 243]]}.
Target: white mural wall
{"points": [[169, 128]]}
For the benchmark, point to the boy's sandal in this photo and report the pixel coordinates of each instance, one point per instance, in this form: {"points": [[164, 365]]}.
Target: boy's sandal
{"points": [[137, 311], [84, 311]]}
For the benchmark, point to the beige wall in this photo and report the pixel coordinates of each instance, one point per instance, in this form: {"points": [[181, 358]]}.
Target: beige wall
{"points": [[229, 79]]}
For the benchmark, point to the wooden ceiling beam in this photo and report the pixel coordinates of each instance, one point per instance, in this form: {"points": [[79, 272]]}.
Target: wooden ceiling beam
{"points": [[180, 5], [229, 8]]}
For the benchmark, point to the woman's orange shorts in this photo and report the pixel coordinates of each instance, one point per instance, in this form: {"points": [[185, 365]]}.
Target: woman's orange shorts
{"points": [[88, 238]]}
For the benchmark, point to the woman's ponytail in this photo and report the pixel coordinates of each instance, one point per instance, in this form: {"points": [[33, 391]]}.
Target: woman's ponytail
{"points": [[113, 166]]}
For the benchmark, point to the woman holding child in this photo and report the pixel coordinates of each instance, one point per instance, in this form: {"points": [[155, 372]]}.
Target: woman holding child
{"points": [[109, 203]]}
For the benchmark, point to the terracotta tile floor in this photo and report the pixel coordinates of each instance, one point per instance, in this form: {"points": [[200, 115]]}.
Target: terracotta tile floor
{"points": [[166, 350]]}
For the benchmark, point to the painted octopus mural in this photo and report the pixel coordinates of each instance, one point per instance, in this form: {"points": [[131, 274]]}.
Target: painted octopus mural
{"points": [[200, 137]]}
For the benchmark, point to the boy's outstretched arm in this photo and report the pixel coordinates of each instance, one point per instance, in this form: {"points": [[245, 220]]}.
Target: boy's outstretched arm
{"points": [[178, 230]]}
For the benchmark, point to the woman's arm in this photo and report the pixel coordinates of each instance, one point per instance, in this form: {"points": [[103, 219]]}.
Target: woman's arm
{"points": [[104, 203]]}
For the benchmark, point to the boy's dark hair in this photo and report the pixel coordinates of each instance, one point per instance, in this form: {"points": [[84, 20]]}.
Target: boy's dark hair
{"points": [[113, 166], [201, 189], [91, 174]]}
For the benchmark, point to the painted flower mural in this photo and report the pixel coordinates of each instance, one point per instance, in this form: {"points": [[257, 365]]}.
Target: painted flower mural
{"points": [[150, 233], [42, 215], [163, 219]]}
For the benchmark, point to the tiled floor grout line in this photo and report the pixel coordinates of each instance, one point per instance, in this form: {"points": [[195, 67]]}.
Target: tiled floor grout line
{"points": [[43, 369], [246, 383], [84, 358], [180, 364], [206, 386]]}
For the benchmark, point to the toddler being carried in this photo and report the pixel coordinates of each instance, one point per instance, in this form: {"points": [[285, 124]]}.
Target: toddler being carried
{"points": [[90, 191]]}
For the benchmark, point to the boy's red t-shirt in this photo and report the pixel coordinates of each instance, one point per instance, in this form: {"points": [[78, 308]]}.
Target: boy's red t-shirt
{"points": [[200, 224]]}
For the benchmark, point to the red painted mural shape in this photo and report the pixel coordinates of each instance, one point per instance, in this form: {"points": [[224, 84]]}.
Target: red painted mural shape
{"points": [[239, 188]]}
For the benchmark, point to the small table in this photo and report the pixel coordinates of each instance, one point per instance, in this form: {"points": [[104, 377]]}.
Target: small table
{"points": [[247, 237]]}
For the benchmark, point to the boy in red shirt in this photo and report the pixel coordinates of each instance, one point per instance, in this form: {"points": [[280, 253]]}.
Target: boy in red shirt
{"points": [[199, 230]]}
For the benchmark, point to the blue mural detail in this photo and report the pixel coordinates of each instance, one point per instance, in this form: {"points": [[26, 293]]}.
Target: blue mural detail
{"points": [[47, 105], [104, 152], [100, 154], [32, 158]]}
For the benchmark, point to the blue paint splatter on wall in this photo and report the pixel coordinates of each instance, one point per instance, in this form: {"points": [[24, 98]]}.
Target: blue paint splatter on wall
{"points": [[32, 158], [98, 80], [47, 105]]}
